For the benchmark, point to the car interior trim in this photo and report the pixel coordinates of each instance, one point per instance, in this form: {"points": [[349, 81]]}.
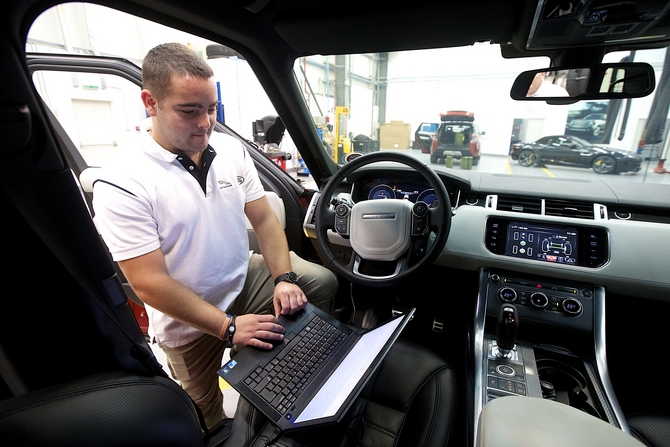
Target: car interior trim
{"points": [[601, 357], [478, 351]]}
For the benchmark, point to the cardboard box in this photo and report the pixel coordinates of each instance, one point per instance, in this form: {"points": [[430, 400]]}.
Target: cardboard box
{"points": [[394, 135]]}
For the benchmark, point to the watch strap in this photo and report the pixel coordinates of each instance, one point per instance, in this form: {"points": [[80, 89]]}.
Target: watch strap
{"points": [[288, 277], [231, 329], [224, 333]]}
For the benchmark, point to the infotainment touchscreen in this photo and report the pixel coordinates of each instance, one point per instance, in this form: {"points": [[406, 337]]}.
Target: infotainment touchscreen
{"points": [[543, 243]]}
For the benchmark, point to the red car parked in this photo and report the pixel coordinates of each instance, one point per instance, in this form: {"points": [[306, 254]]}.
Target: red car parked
{"points": [[457, 136]]}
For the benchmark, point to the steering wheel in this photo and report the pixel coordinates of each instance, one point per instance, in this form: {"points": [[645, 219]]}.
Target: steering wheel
{"points": [[390, 230]]}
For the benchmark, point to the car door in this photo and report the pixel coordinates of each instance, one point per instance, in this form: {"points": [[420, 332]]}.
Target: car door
{"points": [[577, 154], [423, 136], [95, 102], [548, 149], [563, 151]]}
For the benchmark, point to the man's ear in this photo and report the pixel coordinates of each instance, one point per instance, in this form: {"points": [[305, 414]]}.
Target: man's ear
{"points": [[149, 102]]}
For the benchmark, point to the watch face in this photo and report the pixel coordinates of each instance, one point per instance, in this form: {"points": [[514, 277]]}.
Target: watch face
{"points": [[292, 277]]}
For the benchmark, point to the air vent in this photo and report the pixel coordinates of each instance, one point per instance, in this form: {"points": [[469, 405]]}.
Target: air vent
{"points": [[520, 204], [579, 210]]}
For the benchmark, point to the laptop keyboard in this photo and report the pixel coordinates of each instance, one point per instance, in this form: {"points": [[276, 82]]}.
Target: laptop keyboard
{"points": [[283, 379]]}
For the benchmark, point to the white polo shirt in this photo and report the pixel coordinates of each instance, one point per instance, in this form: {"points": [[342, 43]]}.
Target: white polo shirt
{"points": [[146, 199]]}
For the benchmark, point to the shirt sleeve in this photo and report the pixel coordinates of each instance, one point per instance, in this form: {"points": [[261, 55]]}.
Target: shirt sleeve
{"points": [[124, 220]]}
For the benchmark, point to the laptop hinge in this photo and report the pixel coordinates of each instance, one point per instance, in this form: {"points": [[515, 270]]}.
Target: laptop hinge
{"points": [[397, 311]]}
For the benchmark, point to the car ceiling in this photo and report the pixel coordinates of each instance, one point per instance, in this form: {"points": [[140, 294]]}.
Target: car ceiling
{"points": [[300, 27], [278, 31]]}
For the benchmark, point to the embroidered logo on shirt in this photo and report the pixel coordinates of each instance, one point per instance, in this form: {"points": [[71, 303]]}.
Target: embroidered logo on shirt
{"points": [[240, 179], [224, 184]]}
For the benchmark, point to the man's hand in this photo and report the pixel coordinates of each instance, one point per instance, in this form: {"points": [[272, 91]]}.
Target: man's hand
{"points": [[288, 299], [255, 330]]}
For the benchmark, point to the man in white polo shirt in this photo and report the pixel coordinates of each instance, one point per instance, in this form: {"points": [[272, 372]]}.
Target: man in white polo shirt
{"points": [[172, 213]]}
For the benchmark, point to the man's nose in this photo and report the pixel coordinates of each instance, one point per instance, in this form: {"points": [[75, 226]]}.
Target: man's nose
{"points": [[205, 120]]}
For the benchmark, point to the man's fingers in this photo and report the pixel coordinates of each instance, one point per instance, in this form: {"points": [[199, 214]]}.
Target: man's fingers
{"points": [[252, 328], [296, 303], [269, 335], [261, 341], [266, 318], [288, 299], [260, 344], [293, 303], [272, 327]]}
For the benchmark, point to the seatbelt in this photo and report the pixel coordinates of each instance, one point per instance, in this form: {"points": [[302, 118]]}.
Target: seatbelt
{"points": [[37, 201], [38, 188]]}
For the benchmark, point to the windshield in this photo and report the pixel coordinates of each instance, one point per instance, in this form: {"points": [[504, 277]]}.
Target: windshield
{"points": [[448, 107], [391, 99]]}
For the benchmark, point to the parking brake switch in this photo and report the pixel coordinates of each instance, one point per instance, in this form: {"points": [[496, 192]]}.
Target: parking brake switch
{"points": [[507, 329]]}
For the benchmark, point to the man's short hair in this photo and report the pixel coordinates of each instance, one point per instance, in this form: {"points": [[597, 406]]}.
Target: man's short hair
{"points": [[169, 59]]}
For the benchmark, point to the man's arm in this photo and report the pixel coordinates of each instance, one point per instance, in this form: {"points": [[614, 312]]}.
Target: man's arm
{"points": [[149, 279], [288, 298]]}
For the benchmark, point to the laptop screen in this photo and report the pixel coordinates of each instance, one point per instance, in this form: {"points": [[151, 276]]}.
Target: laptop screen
{"points": [[344, 379]]}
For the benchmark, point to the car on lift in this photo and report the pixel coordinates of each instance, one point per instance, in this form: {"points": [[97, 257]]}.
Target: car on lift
{"points": [[458, 136], [569, 150]]}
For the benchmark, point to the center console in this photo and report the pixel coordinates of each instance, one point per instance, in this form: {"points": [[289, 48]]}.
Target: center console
{"points": [[542, 338]]}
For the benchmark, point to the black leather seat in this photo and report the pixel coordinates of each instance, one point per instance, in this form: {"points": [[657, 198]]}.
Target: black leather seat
{"points": [[411, 401], [108, 409], [653, 429]]}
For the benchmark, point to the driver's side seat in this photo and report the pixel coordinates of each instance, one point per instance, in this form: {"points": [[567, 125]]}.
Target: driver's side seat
{"points": [[410, 401]]}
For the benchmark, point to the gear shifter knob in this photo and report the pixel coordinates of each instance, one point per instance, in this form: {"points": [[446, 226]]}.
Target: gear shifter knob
{"points": [[507, 329]]}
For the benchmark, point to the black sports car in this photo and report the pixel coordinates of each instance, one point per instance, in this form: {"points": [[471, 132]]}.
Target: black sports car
{"points": [[568, 150]]}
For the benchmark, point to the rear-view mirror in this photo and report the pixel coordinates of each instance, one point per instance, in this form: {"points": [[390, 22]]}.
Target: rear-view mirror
{"points": [[565, 85]]}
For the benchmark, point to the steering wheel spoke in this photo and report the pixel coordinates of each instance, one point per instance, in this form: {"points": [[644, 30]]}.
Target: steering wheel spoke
{"points": [[326, 221], [436, 219], [357, 262]]}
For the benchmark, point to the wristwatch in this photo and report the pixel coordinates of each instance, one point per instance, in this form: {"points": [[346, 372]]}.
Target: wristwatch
{"points": [[288, 277], [231, 328]]}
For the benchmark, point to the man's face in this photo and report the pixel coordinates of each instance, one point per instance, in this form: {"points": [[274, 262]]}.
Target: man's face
{"points": [[535, 85], [185, 118]]}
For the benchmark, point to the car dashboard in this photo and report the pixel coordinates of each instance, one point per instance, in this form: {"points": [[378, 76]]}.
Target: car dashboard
{"points": [[572, 230]]}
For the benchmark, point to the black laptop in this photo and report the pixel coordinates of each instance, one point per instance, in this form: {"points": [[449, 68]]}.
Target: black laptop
{"points": [[316, 372]]}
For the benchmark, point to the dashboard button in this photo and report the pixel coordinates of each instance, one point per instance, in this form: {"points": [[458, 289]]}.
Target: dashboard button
{"points": [[507, 294], [538, 300], [571, 306], [506, 370]]}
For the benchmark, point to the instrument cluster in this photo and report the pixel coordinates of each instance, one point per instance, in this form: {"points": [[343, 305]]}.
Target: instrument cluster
{"points": [[413, 192]]}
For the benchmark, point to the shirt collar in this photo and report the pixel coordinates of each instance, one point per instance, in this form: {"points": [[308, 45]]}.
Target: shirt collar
{"points": [[155, 150]]}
